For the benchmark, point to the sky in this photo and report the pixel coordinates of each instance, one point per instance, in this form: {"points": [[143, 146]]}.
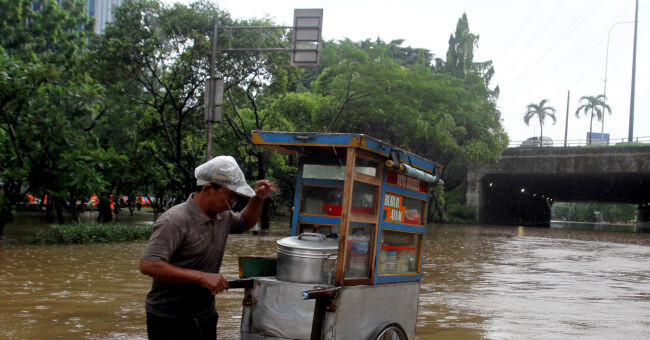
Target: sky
{"points": [[540, 49]]}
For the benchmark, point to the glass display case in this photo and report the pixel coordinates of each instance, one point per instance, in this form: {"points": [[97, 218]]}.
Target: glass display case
{"points": [[364, 198], [373, 196], [358, 251], [325, 229], [319, 200], [399, 253], [323, 171], [403, 209]]}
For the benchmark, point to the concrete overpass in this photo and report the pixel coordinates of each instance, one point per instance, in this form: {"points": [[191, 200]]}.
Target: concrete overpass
{"points": [[520, 188]]}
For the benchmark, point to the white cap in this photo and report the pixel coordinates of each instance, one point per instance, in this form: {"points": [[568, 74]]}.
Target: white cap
{"points": [[224, 171]]}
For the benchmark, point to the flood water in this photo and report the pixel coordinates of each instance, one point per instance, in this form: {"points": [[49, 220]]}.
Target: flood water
{"points": [[479, 283]]}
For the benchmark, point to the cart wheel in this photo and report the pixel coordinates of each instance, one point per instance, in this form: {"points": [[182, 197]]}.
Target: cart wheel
{"points": [[392, 331]]}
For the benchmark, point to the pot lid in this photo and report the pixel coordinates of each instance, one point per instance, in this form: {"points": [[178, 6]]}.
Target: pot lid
{"points": [[311, 241]]}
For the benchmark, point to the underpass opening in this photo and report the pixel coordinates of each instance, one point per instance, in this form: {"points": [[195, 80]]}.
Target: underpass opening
{"points": [[517, 199], [520, 188]]}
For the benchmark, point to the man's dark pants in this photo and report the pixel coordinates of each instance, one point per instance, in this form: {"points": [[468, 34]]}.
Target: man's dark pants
{"points": [[162, 328]]}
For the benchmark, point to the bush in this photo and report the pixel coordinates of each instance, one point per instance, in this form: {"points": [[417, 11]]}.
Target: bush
{"points": [[91, 233], [461, 214]]}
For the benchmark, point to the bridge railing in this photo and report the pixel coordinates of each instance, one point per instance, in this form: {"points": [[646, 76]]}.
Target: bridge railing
{"points": [[585, 142]]}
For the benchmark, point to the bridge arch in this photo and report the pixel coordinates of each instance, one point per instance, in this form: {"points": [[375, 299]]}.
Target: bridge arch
{"points": [[520, 188]]}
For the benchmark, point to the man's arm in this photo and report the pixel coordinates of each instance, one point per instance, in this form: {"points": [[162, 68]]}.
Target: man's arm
{"points": [[251, 213], [164, 271]]}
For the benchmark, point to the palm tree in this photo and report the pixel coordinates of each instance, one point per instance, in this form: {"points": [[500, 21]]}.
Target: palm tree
{"points": [[541, 111], [593, 106]]}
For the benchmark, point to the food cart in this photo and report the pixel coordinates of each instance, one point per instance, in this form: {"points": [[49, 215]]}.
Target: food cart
{"points": [[353, 265]]}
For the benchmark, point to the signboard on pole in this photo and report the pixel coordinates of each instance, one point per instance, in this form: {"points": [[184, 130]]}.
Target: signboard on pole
{"points": [[598, 139], [308, 26], [213, 97]]}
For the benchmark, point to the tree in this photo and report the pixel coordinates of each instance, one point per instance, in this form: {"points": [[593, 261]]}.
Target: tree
{"points": [[460, 60], [593, 106], [436, 115], [479, 124], [44, 100], [542, 112], [154, 57]]}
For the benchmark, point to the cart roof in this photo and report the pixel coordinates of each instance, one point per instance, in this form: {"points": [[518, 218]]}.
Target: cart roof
{"points": [[294, 143]]}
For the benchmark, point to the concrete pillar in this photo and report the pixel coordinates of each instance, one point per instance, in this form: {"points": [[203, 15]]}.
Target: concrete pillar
{"points": [[643, 219], [473, 192]]}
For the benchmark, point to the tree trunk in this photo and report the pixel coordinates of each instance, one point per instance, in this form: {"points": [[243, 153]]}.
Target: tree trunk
{"points": [[265, 218], [130, 203], [59, 211], [105, 213], [74, 209], [48, 211], [590, 122], [5, 217]]}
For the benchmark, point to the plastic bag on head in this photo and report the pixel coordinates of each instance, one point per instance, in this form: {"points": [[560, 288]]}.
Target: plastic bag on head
{"points": [[224, 171]]}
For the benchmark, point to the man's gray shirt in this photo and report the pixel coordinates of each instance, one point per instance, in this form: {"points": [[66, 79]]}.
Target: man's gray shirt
{"points": [[186, 237]]}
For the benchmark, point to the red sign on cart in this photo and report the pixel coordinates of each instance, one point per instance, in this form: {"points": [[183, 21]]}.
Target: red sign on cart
{"points": [[406, 182]]}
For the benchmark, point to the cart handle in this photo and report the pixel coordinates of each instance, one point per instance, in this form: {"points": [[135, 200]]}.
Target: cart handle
{"points": [[240, 283], [320, 293]]}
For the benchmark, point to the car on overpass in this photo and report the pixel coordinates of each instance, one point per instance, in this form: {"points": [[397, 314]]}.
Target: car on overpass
{"points": [[534, 142]]}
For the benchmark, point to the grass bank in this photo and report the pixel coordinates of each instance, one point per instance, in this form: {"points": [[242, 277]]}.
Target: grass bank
{"points": [[92, 233]]}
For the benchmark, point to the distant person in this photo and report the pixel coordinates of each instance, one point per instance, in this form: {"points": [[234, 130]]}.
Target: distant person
{"points": [[184, 253], [105, 211]]}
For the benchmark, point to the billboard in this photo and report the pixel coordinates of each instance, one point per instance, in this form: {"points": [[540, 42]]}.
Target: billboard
{"points": [[597, 138]]}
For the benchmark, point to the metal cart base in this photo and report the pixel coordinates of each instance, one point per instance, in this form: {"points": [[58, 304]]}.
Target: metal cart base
{"points": [[276, 310]]}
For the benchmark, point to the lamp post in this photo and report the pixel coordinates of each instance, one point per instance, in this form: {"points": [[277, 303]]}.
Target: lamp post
{"points": [[636, 23], [602, 127]]}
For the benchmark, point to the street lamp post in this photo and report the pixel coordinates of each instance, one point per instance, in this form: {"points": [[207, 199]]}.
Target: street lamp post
{"points": [[602, 127], [631, 127]]}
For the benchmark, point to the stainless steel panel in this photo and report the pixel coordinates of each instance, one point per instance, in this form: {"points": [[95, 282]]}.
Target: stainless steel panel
{"points": [[363, 310], [279, 311]]}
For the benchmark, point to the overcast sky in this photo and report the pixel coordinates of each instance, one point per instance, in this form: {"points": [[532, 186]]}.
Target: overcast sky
{"points": [[540, 49]]}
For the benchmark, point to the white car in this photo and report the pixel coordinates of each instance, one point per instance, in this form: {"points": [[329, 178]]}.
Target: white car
{"points": [[533, 142]]}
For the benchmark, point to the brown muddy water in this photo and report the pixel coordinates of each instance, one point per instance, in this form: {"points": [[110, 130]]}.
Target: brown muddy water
{"points": [[479, 283]]}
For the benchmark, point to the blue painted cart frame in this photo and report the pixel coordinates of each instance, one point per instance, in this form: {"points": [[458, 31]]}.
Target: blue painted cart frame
{"points": [[342, 150]]}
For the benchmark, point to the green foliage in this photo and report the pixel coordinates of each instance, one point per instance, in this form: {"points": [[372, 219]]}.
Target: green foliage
{"points": [[91, 233], [460, 60], [434, 115], [460, 214], [593, 107], [123, 112], [593, 212], [51, 34], [542, 112], [46, 102], [303, 111]]}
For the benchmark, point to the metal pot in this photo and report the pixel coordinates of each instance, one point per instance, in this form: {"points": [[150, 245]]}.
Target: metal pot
{"points": [[307, 258]]}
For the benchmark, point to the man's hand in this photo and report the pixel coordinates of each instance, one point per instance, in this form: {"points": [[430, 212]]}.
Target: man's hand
{"points": [[215, 283], [264, 188], [164, 271]]}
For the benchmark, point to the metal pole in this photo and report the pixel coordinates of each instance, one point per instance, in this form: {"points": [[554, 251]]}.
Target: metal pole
{"points": [[630, 133], [566, 125], [602, 127], [213, 58]]}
